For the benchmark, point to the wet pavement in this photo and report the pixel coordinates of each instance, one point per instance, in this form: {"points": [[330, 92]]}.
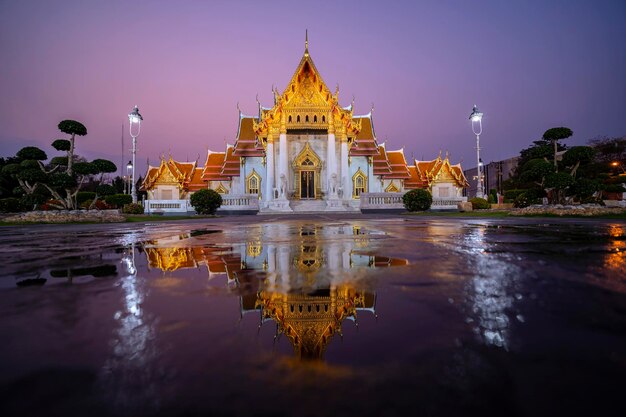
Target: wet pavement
{"points": [[314, 316]]}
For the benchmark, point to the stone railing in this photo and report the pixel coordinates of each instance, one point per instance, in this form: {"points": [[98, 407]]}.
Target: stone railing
{"points": [[167, 206], [242, 202], [382, 201], [447, 203], [245, 202], [393, 201]]}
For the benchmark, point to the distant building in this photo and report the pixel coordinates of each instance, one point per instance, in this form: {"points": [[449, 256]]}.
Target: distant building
{"points": [[495, 173]]}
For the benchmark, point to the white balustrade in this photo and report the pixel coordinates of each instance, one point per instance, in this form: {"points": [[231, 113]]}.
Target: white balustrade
{"points": [[382, 201], [229, 203]]}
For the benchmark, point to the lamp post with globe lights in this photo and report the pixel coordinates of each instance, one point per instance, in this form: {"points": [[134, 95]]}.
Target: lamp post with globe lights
{"points": [[134, 119], [477, 127]]}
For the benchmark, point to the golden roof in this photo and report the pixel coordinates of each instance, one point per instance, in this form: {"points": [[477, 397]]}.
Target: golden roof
{"points": [[438, 169], [183, 174], [306, 103]]}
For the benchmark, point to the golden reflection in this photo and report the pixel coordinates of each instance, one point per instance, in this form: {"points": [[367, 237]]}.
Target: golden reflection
{"points": [[308, 287], [310, 321], [615, 260]]}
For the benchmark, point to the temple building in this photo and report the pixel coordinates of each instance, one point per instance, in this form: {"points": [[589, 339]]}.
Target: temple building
{"points": [[306, 152]]}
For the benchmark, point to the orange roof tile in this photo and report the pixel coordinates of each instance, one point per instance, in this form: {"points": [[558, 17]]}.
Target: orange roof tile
{"points": [[398, 165], [196, 182], [213, 167], [246, 143], [231, 164], [416, 180], [365, 141], [381, 164]]}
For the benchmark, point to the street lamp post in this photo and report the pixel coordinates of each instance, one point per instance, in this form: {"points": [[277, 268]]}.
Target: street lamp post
{"points": [[135, 120], [477, 127], [129, 168]]}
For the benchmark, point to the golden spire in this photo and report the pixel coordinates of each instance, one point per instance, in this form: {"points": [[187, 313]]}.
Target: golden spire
{"points": [[306, 42]]}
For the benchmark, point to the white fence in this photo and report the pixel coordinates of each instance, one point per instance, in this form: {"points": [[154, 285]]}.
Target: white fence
{"points": [[384, 201], [246, 202], [448, 203], [378, 201], [167, 206]]}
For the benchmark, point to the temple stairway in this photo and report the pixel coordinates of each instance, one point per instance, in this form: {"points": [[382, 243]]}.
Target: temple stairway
{"points": [[304, 206]]}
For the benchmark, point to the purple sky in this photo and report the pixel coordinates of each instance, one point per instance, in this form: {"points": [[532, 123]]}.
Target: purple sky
{"points": [[529, 65]]}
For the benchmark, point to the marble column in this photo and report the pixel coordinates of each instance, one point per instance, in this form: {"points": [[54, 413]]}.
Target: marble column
{"points": [[269, 169], [331, 167], [282, 161], [345, 173]]}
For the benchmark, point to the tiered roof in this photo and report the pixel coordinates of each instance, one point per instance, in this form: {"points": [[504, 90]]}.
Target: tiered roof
{"points": [[397, 162], [213, 167], [187, 175], [365, 141], [247, 143], [381, 163], [231, 163]]}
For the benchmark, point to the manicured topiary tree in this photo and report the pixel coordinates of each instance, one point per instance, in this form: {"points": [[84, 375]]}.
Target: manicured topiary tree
{"points": [[417, 200], [206, 201]]}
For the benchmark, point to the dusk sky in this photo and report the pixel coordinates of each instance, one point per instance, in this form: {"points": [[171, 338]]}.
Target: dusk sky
{"points": [[528, 65]]}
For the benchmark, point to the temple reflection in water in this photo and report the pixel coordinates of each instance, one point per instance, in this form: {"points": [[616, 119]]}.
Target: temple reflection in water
{"points": [[307, 279]]}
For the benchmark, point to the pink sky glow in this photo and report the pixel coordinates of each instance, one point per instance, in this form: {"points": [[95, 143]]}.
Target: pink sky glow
{"points": [[529, 66]]}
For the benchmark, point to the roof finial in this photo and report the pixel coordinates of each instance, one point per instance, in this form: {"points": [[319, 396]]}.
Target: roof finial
{"points": [[306, 42]]}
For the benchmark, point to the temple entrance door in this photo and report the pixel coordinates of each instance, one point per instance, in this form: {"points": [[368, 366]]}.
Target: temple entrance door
{"points": [[307, 185]]}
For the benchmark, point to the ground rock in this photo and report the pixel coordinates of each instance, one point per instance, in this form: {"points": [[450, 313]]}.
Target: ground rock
{"points": [[68, 216], [465, 206], [560, 210]]}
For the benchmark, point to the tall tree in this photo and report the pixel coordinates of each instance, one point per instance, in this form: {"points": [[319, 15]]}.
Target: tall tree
{"points": [[553, 136]]}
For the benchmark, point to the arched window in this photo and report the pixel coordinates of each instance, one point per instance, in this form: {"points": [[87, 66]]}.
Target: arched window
{"points": [[289, 119], [359, 184], [323, 119], [253, 183], [298, 119], [306, 118], [315, 119]]}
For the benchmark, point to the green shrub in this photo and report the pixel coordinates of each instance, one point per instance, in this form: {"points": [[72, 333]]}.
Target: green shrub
{"points": [[118, 200], [10, 205], [206, 201], [511, 195], [83, 196], [417, 200], [526, 199], [133, 208], [479, 203]]}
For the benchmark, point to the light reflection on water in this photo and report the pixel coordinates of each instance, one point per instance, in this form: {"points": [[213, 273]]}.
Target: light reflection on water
{"points": [[307, 284], [276, 306]]}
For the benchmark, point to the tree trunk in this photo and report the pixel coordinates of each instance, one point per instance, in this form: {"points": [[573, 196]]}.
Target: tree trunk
{"points": [[70, 155], [556, 168], [573, 173]]}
